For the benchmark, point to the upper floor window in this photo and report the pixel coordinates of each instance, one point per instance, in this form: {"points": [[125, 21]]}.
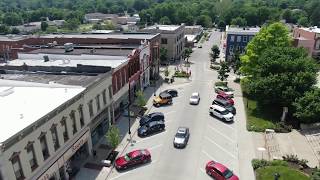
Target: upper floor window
{"points": [[80, 110], [245, 39], [16, 164], [164, 41], [90, 108], [31, 156], [64, 129], [232, 38], [55, 138], [231, 49], [104, 98], [73, 121], [110, 91], [44, 146], [98, 102], [238, 38]]}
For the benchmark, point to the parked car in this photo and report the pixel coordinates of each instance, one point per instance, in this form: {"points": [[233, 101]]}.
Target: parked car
{"points": [[225, 97], [225, 90], [181, 138], [172, 92], [221, 113], [151, 128], [132, 159], [219, 171], [155, 116], [225, 104], [162, 99], [195, 98]]}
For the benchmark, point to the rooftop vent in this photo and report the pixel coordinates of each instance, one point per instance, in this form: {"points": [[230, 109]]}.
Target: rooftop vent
{"points": [[46, 58]]}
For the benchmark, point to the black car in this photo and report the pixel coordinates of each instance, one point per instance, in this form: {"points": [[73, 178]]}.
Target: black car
{"points": [[172, 92], [225, 104], [151, 128], [155, 116], [181, 138]]}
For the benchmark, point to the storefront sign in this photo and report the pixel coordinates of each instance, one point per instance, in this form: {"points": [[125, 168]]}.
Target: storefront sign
{"points": [[49, 173], [76, 146]]}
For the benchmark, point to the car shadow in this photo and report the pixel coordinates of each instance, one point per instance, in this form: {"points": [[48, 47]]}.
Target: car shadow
{"points": [[153, 134], [135, 167]]}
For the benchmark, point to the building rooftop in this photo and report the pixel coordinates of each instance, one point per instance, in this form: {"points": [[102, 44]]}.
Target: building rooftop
{"points": [[24, 104], [142, 36], [163, 27], [312, 29], [190, 37], [237, 30]]}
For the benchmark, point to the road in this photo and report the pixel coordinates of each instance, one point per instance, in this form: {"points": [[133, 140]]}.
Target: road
{"points": [[211, 139]]}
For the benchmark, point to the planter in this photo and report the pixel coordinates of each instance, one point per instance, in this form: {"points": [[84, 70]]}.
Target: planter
{"points": [[112, 156]]}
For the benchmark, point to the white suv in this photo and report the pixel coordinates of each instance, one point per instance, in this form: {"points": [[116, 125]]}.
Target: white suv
{"points": [[221, 113]]}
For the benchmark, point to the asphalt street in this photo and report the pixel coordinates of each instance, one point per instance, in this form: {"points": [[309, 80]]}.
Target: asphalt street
{"points": [[210, 139]]}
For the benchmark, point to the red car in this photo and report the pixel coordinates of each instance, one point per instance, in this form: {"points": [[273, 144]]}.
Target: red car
{"points": [[226, 98], [219, 171], [132, 159]]}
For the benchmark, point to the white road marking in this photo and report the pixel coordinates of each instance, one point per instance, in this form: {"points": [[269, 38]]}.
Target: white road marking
{"points": [[233, 141], [220, 147], [207, 154], [169, 112], [156, 146], [147, 138]]}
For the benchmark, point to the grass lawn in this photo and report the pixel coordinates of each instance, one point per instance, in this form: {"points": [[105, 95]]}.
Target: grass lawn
{"points": [[258, 120], [286, 173]]}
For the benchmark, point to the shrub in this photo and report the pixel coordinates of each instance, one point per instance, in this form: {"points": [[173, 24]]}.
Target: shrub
{"points": [[181, 74], [166, 72], [237, 80], [282, 127], [291, 158], [303, 163], [214, 67], [259, 163], [221, 83], [315, 174], [278, 163]]}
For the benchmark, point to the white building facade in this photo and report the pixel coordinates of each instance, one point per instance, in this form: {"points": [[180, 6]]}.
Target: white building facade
{"points": [[49, 126], [144, 64]]}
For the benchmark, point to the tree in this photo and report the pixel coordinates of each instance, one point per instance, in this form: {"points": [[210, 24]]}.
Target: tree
{"points": [[72, 24], [236, 62], [303, 21], [165, 20], [308, 107], [12, 19], [52, 29], [4, 29], [113, 136], [141, 101], [221, 25], [205, 21], [283, 74], [274, 35], [287, 15], [44, 26], [187, 53], [239, 21], [214, 54], [163, 54], [223, 71], [15, 31]]}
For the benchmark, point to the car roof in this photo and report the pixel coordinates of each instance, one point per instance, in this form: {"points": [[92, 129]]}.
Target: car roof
{"points": [[170, 90], [195, 94], [155, 122], [182, 130], [222, 101], [220, 167], [134, 153], [156, 114], [219, 108]]}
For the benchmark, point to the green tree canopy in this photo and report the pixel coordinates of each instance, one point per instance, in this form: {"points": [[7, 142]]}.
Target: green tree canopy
{"points": [[308, 107], [44, 26], [239, 21], [282, 75], [205, 21], [223, 71], [113, 136], [165, 20], [274, 35]]}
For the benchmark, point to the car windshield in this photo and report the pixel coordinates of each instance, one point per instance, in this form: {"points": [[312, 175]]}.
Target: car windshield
{"points": [[225, 112], [227, 174], [180, 135], [127, 157], [194, 97]]}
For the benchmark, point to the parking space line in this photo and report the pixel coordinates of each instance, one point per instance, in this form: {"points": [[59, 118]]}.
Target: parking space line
{"points": [[207, 154], [233, 141], [220, 147], [155, 147], [147, 138], [202, 170]]}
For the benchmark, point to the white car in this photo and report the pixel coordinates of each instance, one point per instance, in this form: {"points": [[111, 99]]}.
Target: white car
{"points": [[221, 113], [195, 98]]}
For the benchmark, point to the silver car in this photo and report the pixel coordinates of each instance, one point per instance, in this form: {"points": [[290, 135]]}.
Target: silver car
{"points": [[181, 138], [195, 98]]}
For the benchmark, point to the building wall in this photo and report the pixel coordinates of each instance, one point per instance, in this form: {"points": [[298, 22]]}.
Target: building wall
{"points": [[303, 38], [236, 42], [59, 157]]}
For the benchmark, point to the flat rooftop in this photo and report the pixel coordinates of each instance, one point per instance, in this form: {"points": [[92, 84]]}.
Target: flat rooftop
{"points": [[249, 31], [312, 29], [142, 36], [23, 105], [94, 50], [163, 27]]}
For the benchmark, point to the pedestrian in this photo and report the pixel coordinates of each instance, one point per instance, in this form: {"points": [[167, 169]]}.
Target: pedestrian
{"points": [[94, 153], [190, 73]]}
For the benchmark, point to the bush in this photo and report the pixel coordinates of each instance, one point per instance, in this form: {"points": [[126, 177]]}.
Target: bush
{"points": [[166, 72], [278, 163], [214, 67], [315, 174], [221, 83], [259, 163], [237, 80], [181, 74], [291, 158]]}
